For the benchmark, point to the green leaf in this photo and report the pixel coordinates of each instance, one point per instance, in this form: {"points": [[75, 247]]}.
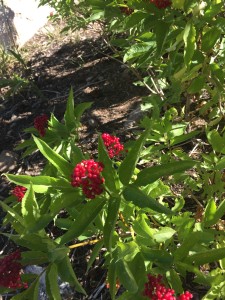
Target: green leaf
{"points": [[87, 215], [34, 257], [66, 200], [41, 223], [209, 256], [137, 50], [190, 241], [213, 215], [41, 184], [210, 38], [80, 109], [157, 256], [69, 113], [128, 165], [163, 234], [184, 137], [58, 254], [210, 212], [34, 241], [196, 85], [76, 154], [112, 278], [126, 277], [29, 207], [67, 274], [140, 199], [161, 31], [189, 41], [52, 286], [149, 175], [108, 171], [217, 142], [13, 213], [95, 252], [174, 281], [54, 158], [112, 215], [137, 267], [127, 251]]}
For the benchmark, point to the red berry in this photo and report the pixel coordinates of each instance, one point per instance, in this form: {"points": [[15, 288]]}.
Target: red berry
{"points": [[10, 269], [19, 192], [40, 123], [161, 4], [112, 144], [86, 174]]}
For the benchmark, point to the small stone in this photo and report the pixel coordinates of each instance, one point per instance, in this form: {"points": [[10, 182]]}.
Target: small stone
{"points": [[8, 161]]}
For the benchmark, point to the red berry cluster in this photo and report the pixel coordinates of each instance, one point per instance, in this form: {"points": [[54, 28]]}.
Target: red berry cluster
{"points": [[112, 144], [19, 192], [87, 175], [161, 4], [10, 269], [40, 123], [156, 290]]}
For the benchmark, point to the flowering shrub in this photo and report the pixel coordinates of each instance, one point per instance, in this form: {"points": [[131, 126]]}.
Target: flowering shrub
{"points": [[40, 123], [149, 215], [19, 192], [10, 270], [87, 175], [112, 144], [142, 224]]}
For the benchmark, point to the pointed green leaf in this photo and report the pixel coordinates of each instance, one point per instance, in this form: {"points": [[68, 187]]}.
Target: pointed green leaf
{"points": [[108, 171], [13, 213], [126, 277], [95, 252], [157, 256], [69, 113], [161, 31], [80, 109], [149, 175], [41, 223], [128, 165], [174, 281], [189, 41], [210, 38], [41, 184], [140, 199], [58, 254], [76, 154], [67, 274], [110, 222], [163, 234], [209, 256], [112, 279], [86, 216], [52, 285], [29, 207], [34, 257], [213, 215], [54, 158], [190, 241]]}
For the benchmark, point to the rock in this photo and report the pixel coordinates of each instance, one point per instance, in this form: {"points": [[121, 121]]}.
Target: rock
{"points": [[8, 161]]}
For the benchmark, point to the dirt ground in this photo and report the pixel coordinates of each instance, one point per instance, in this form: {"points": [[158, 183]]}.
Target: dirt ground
{"points": [[55, 63]]}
